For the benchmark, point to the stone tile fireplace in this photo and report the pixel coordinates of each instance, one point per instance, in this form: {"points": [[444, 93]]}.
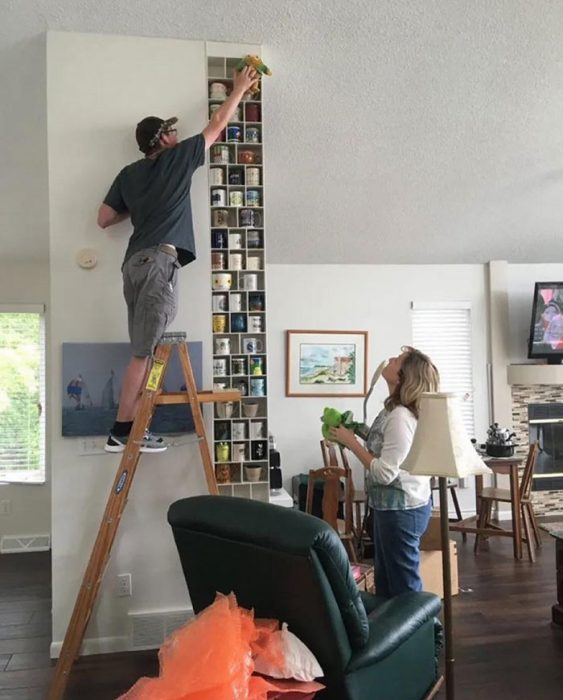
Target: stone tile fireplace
{"points": [[543, 403]]}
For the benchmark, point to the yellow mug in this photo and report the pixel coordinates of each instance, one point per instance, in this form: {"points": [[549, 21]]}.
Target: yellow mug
{"points": [[219, 323]]}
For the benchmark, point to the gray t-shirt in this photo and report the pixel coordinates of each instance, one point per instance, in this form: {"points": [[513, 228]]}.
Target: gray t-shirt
{"points": [[156, 193]]}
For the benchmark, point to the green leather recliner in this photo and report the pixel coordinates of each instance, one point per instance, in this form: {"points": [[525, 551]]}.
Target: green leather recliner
{"points": [[292, 567]]}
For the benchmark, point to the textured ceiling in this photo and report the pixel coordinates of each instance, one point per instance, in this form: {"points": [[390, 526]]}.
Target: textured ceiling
{"points": [[397, 132]]}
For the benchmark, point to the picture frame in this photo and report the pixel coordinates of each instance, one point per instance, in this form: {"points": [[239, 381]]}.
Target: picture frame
{"points": [[326, 363]]}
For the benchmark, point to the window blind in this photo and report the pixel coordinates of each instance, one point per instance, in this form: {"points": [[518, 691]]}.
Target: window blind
{"points": [[22, 394], [443, 331]]}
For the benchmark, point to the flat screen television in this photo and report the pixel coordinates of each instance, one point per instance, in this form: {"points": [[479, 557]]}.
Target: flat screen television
{"points": [[546, 328]]}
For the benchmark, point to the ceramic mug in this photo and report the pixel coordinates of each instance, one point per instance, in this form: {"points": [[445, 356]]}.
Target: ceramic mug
{"points": [[235, 241], [223, 346], [236, 198], [236, 301], [253, 262], [219, 197], [235, 261], [219, 303], [257, 430], [217, 176], [220, 217], [219, 323], [252, 473], [239, 365], [251, 345], [256, 366], [222, 450], [255, 324], [218, 239], [238, 323], [220, 367], [250, 409], [217, 261], [257, 386], [238, 429], [224, 409], [250, 282], [239, 451], [259, 450], [221, 280], [252, 239]]}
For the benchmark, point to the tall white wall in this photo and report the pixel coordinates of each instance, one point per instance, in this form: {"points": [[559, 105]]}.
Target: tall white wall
{"points": [[98, 89], [375, 298], [26, 282]]}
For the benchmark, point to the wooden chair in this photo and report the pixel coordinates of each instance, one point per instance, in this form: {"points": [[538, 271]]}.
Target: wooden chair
{"points": [[330, 451], [529, 524], [332, 491]]}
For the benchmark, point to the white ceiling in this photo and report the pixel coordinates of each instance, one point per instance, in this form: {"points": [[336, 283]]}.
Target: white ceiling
{"points": [[397, 131]]}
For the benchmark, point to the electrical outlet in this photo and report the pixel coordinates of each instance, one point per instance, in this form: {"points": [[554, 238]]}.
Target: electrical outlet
{"points": [[6, 507], [90, 446], [124, 585]]}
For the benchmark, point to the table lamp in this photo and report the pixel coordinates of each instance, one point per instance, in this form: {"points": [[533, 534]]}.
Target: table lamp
{"points": [[442, 448]]}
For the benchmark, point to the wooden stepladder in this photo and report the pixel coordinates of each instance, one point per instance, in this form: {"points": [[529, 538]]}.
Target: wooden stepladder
{"points": [[151, 397]]}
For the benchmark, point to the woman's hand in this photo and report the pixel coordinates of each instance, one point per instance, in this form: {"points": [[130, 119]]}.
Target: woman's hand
{"points": [[344, 436]]}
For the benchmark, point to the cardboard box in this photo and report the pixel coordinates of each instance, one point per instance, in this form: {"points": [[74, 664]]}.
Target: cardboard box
{"points": [[431, 538], [431, 570]]}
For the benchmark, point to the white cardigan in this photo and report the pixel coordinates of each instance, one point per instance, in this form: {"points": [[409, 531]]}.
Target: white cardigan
{"points": [[390, 487]]}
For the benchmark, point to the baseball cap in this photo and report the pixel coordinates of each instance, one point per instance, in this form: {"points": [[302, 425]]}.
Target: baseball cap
{"points": [[149, 129]]}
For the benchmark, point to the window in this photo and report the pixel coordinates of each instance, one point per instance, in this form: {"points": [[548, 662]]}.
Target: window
{"points": [[22, 393], [443, 331]]}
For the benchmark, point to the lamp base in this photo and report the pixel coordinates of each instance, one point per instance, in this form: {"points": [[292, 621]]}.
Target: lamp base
{"points": [[447, 580]]}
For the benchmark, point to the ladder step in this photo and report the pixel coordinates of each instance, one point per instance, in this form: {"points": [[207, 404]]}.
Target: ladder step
{"points": [[173, 338], [170, 397]]}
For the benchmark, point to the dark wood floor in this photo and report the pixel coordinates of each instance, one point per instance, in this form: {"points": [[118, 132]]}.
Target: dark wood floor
{"points": [[506, 648]]}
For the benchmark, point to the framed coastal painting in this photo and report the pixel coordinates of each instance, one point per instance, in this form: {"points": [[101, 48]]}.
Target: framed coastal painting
{"points": [[326, 363]]}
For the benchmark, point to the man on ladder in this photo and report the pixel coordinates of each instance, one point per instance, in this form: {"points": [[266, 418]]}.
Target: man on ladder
{"points": [[155, 193]]}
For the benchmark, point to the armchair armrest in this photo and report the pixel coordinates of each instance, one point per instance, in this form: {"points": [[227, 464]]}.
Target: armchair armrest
{"points": [[391, 623]]}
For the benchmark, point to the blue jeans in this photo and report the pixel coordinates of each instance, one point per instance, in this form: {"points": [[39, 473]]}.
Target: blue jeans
{"points": [[397, 554]]}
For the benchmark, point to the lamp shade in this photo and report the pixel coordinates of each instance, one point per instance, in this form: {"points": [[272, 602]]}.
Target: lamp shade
{"points": [[441, 446]]}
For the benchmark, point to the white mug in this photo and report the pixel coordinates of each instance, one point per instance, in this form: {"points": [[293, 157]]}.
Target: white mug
{"points": [[235, 302], [219, 303], [235, 261], [221, 280], [222, 346], [255, 324], [239, 451], [239, 430], [224, 409], [257, 430], [235, 241], [252, 345], [220, 367], [250, 282], [253, 262]]}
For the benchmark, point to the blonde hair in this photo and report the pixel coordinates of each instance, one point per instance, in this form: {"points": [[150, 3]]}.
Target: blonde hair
{"points": [[417, 375]]}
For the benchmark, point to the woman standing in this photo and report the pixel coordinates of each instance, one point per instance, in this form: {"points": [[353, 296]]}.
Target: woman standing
{"points": [[401, 502]]}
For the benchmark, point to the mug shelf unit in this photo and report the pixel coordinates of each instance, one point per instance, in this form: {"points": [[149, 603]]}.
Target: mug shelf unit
{"points": [[238, 288]]}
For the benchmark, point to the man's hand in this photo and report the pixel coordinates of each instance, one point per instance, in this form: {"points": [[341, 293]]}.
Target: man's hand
{"points": [[244, 80]]}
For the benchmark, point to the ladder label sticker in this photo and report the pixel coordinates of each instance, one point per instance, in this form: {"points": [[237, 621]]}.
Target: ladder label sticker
{"points": [[121, 482], [155, 374]]}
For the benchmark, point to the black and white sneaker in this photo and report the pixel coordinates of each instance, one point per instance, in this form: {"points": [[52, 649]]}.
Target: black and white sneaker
{"points": [[150, 443]]}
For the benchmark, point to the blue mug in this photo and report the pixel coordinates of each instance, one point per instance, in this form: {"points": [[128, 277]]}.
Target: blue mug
{"points": [[257, 386], [238, 323]]}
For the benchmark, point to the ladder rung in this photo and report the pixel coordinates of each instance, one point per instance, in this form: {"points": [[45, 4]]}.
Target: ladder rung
{"points": [[171, 397], [173, 338]]}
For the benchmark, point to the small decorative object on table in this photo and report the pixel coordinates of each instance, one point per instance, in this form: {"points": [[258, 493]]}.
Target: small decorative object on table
{"points": [[499, 442]]}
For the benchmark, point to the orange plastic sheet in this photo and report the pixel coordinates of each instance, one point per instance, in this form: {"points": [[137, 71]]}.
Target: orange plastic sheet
{"points": [[210, 658]]}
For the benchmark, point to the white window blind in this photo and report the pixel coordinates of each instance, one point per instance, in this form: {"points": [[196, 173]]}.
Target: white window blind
{"points": [[443, 331], [22, 394]]}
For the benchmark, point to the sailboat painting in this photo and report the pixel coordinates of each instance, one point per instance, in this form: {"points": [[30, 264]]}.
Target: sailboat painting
{"points": [[92, 375]]}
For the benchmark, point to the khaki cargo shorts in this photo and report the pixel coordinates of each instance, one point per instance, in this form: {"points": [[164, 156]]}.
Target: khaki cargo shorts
{"points": [[151, 294]]}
